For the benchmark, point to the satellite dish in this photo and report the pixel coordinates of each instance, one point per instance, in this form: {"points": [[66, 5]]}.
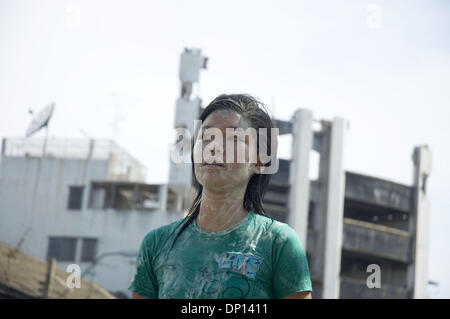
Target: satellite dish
{"points": [[41, 119]]}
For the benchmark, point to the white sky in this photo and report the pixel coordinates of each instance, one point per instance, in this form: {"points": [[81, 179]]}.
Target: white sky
{"points": [[389, 78]]}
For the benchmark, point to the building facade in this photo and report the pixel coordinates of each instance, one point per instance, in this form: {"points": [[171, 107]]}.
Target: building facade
{"points": [[82, 202], [352, 225]]}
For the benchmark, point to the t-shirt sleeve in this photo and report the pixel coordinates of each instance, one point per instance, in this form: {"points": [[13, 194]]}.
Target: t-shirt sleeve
{"points": [[144, 282], [291, 271]]}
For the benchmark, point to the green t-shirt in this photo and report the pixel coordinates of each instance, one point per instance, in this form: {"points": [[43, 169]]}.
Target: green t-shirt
{"points": [[256, 258]]}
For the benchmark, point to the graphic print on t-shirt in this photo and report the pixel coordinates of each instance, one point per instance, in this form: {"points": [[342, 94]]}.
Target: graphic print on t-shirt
{"points": [[247, 265]]}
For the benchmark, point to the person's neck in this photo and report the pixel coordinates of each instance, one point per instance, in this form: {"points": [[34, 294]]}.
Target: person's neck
{"points": [[221, 210]]}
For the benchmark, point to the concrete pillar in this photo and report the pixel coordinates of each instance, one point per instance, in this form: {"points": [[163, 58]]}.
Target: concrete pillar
{"points": [[78, 249], [3, 154], [332, 181], [162, 195], [3, 147], [321, 145], [86, 174], [417, 277], [186, 112], [180, 174], [302, 139]]}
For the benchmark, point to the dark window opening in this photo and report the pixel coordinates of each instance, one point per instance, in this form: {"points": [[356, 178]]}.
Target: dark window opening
{"points": [[124, 196], [88, 249], [62, 248], [376, 214], [75, 197]]}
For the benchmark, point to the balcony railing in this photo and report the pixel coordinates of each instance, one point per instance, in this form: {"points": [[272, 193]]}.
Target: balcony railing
{"points": [[378, 240]]}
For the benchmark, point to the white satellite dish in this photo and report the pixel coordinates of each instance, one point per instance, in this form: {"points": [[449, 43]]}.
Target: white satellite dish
{"points": [[41, 119]]}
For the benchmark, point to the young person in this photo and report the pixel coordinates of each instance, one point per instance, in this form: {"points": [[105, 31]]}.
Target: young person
{"points": [[226, 246]]}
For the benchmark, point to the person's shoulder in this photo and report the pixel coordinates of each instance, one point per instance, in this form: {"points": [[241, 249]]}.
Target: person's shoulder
{"points": [[283, 231], [163, 231], [171, 226], [279, 231], [273, 226]]}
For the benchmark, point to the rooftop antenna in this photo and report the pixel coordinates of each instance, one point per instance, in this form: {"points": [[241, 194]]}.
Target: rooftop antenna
{"points": [[40, 121], [115, 124], [273, 106]]}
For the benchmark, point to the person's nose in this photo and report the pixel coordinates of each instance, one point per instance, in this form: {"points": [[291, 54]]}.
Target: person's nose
{"points": [[217, 151]]}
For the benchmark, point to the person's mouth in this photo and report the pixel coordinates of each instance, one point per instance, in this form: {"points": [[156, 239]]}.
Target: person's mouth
{"points": [[214, 165]]}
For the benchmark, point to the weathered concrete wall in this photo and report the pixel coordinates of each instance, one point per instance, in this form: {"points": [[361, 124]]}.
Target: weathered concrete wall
{"points": [[377, 191], [34, 195], [33, 205], [376, 240], [354, 265]]}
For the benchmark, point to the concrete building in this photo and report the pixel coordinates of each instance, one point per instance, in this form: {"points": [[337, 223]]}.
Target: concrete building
{"points": [[85, 202], [351, 223], [82, 202]]}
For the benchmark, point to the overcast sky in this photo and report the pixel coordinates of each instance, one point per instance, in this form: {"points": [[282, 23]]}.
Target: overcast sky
{"points": [[382, 65]]}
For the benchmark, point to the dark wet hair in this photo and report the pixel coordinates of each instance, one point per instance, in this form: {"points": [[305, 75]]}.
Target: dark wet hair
{"points": [[254, 112]]}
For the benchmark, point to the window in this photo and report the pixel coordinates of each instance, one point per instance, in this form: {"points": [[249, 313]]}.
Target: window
{"points": [[124, 196], [62, 248], [88, 249], [98, 197], [75, 197]]}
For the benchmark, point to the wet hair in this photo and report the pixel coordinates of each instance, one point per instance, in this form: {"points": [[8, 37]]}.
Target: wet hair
{"points": [[254, 112]]}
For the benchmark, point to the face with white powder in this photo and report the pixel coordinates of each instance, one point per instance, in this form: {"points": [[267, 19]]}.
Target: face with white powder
{"points": [[220, 168]]}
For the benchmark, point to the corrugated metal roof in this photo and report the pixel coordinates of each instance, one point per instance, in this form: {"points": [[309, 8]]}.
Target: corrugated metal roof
{"points": [[24, 276]]}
